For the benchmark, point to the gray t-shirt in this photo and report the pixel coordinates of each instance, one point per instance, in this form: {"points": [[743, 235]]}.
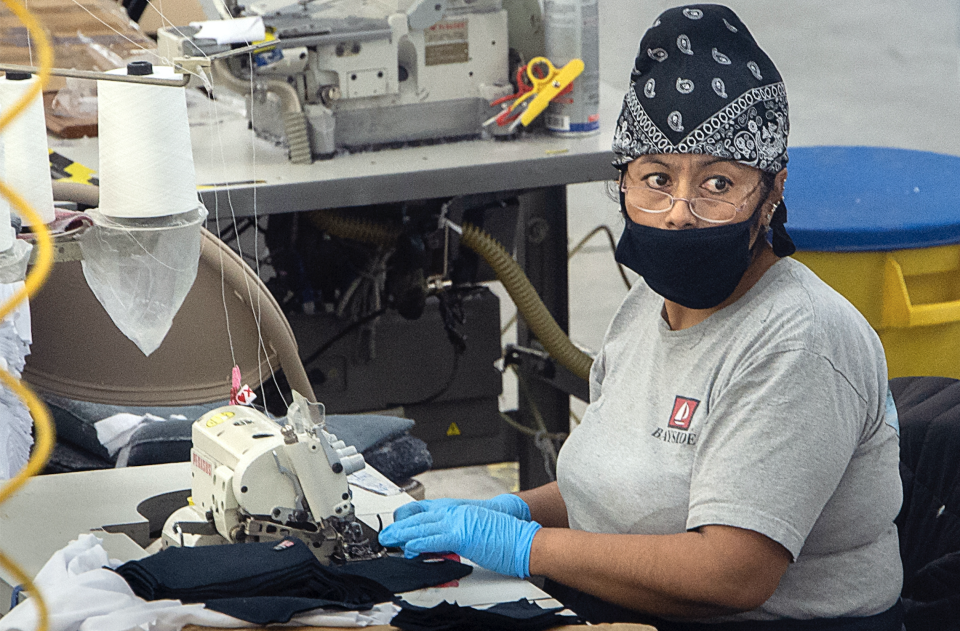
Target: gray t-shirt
{"points": [[769, 416]]}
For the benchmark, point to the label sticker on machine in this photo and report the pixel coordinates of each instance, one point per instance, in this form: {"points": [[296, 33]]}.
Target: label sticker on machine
{"points": [[202, 464], [268, 55], [216, 419], [447, 42], [370, 482]]}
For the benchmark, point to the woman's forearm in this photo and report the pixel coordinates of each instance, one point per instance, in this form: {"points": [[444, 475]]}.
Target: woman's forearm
{"points": [[546, 505], [714, 571]]}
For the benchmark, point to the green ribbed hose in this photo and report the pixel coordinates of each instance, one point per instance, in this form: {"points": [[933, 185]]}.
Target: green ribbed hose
{"points": [[354, 229], [538, 317], [529, 304]]}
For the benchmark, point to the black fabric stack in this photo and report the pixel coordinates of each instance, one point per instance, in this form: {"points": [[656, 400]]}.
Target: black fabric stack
{"points": [[272, 581], [929, 522], [270, 609], [398, 574], [521, 615], [285, 568]]}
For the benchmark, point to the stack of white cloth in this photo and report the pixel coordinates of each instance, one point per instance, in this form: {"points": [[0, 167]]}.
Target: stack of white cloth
{"points": [[15, 420], [82, 595]]}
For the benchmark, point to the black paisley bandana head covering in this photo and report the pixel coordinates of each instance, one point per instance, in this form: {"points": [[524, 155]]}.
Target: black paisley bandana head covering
{"points": [[702, 85]]}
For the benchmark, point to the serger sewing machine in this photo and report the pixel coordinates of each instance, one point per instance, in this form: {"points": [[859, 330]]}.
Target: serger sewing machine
{"points": [[359, 73], [256, 480]]}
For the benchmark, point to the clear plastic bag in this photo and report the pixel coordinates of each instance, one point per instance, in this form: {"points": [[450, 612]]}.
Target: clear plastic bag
{"points": [[141, 270]]}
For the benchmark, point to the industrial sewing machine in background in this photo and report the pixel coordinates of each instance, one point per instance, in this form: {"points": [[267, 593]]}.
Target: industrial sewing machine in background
{"points": [[256, 480], [353, 74], [358, 74]]}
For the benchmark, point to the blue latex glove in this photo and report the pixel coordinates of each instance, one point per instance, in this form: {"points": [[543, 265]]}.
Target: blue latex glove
{"points": [[491, 539], [507, 503]]}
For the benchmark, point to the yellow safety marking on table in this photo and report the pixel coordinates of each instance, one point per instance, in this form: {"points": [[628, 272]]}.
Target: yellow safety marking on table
{"points": [[63, 169], [453, 430], [80, 173], [216, 419]]}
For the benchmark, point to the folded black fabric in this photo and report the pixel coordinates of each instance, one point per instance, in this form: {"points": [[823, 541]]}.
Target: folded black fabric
{"points": [[269, 609], [399, 574], [285, 568], [521, 615]]}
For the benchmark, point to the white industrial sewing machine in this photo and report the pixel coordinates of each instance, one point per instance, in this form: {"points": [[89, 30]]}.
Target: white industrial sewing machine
{"points": [[359, 73], [255, 480]]}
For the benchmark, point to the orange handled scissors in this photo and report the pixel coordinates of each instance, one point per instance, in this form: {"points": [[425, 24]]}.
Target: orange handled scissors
{"points": [[548, 82], [544, 83]]}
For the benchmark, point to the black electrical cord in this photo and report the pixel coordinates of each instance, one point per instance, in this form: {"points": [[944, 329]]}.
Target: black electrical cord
{"points": [[451, 313], [454, 370], [353, 326], [236, 229], [443, 389], [231, 227]]}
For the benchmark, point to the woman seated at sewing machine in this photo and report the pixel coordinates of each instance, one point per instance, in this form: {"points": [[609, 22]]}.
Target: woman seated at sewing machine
{"points": [[737, 465]]}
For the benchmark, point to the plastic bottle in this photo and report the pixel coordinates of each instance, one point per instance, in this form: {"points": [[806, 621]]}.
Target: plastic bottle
{"points": [[572, 31]]}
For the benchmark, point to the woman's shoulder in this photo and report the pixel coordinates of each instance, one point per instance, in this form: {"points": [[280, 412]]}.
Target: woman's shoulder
{"points": [[794, 292], [797, 309]]}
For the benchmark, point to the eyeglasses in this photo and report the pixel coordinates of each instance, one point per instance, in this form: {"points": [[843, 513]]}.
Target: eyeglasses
{"points": [[653, 201]]}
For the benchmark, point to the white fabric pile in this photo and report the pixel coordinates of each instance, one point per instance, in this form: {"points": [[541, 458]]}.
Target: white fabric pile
{"points": [[114, 432], [81, 595], [15, 420]]}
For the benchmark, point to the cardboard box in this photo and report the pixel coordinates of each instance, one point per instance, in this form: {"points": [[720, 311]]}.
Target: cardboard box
{"points": [[175, 13], [86, 35]]}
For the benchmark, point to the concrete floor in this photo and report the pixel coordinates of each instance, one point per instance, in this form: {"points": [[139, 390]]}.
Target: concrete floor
{"points": [[883, 73]]}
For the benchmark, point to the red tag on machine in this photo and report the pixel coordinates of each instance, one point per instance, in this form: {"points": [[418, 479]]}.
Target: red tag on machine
{"points": [[234, 385], [240, 395], [246, 396]]}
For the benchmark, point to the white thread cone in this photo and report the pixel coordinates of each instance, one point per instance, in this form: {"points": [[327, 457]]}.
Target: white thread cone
{"points": [[6, 234], [146, 161], [25, 146], [141, 271]]}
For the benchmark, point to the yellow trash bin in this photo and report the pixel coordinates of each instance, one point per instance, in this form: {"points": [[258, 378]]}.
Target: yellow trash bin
{"points": [[882, 227]]}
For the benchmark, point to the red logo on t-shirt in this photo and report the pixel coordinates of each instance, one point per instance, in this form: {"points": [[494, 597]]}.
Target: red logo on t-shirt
{"points": [[683, 409]]}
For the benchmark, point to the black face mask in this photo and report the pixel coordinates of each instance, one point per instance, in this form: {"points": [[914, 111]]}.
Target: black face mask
{"points": [[698, 268]]}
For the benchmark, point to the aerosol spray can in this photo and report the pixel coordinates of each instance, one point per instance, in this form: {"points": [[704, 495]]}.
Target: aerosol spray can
{"points": [[572, 31]]}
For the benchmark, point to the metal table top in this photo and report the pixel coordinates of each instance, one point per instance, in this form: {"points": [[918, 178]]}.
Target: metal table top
{"points": [[252, 173]]}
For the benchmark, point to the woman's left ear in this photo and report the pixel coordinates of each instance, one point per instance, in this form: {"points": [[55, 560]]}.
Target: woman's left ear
{"points": [[775, 196]]}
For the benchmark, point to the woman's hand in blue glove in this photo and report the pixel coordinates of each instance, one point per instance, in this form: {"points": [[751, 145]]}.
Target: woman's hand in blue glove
{"points": [[489, 538], [507, 503]]}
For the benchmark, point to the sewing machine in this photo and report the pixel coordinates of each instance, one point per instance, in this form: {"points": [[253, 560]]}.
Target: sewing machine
{"points": [[359, 73], [256, 480]]}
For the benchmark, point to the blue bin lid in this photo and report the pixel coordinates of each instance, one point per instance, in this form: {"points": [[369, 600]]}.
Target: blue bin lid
{"points": [[843, 199]]}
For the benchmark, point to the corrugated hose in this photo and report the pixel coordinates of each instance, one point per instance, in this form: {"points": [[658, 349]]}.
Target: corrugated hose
{"points": [[529, 304]]}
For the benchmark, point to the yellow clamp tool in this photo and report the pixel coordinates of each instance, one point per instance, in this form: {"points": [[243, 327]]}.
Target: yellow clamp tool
{"points": [[547, 81]]}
